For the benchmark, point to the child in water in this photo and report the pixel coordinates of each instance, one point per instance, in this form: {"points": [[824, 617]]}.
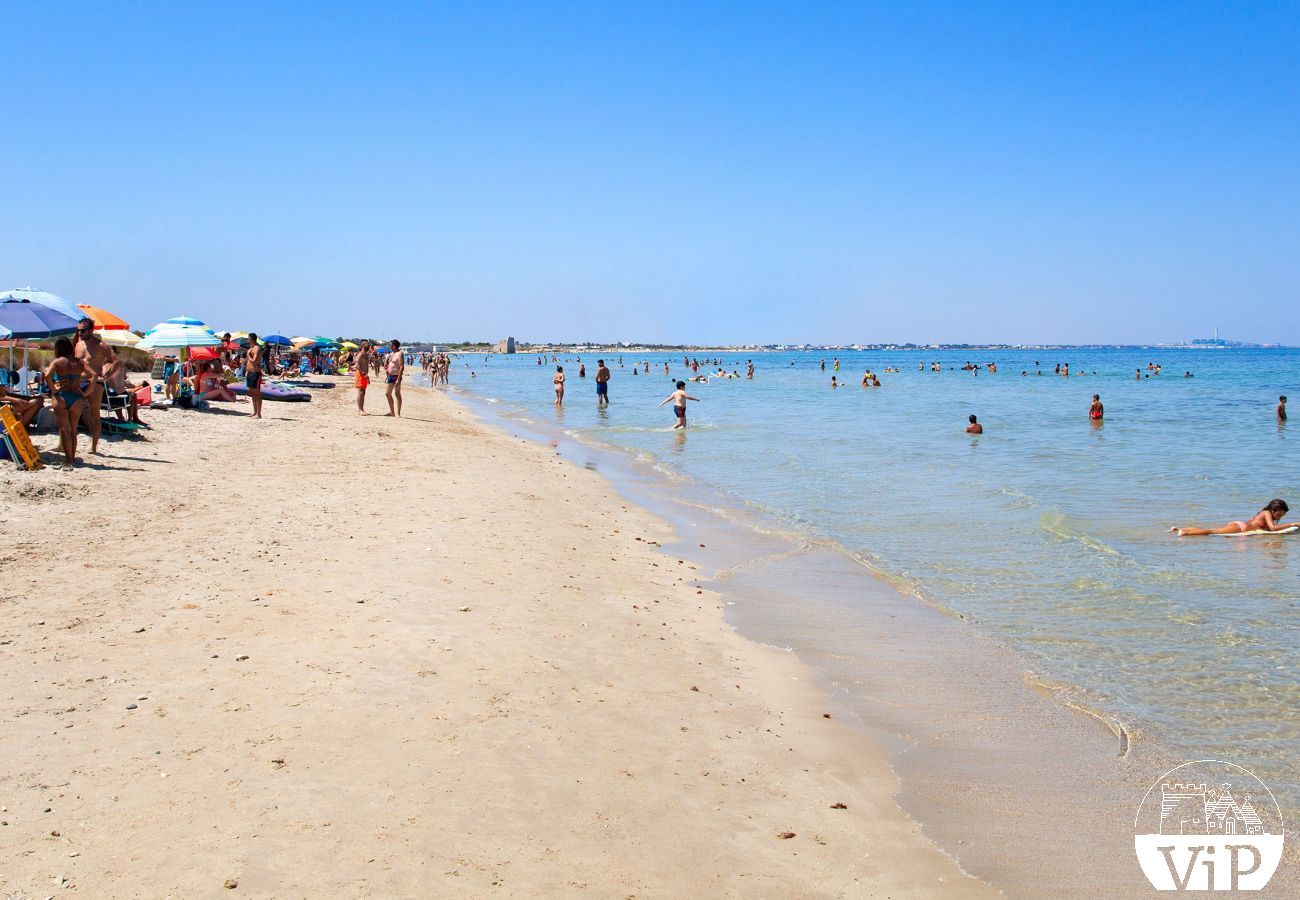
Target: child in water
{"points": [[1267, 519], [679, 398]]}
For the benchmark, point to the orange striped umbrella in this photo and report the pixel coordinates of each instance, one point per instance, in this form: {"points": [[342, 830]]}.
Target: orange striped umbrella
{"points": [[104, 320]]}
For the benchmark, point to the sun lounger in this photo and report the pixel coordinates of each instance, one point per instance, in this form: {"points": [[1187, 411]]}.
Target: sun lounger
{"points": [[116, 427]]}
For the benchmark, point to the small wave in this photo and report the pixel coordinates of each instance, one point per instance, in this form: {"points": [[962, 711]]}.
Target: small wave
{"points": [[1058, 525]]}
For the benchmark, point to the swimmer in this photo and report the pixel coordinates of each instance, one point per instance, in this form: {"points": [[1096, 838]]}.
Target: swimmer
{"points": [[679, 398], [974, 427], [1281, 408], [1096, 411], [558, 381], [1267, 519]]}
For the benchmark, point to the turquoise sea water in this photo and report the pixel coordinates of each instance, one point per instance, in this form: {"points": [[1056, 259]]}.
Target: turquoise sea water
{"points": [[1047, 532]]}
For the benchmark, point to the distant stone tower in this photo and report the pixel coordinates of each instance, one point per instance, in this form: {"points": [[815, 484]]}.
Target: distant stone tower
{"points": [[506, 346]]}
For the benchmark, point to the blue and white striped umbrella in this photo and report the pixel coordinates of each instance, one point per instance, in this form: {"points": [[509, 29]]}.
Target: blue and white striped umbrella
{"points": [[177, 334]]}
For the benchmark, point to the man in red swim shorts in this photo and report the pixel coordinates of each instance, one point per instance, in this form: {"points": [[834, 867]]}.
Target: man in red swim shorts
{"points": [[361, 366]]}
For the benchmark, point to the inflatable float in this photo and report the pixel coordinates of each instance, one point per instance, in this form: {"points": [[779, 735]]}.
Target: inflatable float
{"points": [[1288, 530], [271, 391]]}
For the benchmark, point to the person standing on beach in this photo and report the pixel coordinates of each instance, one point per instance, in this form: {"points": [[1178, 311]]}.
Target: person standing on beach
{"points": [[361, 365], [98, 357], [558, 381], [64, 376], [1281, 408], [974, 427], [602, 383], [253, 374], [1096, 411], [226, 361], [679, 398], [395, 368]]}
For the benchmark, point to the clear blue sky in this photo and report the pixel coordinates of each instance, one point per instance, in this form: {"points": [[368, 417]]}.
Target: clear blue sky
{"points": [[807, 172]]}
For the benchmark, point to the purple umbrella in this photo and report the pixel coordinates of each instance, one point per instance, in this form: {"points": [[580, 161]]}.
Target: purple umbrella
{"points": [[34, 320], [26, 320]]}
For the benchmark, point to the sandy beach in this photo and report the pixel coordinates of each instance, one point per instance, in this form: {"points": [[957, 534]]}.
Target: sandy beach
{"points": [[331, 655]]}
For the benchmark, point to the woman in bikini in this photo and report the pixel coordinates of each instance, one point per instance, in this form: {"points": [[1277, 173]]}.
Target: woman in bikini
{"points": [[558, 381], [1267, 519], [211, 386], [64, 375]]}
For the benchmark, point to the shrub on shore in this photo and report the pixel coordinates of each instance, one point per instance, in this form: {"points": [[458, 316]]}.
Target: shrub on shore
{"points": [[39, 358]]}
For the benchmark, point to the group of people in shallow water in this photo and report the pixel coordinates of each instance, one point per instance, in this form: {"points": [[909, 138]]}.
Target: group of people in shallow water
{"points": [[678, 397]]}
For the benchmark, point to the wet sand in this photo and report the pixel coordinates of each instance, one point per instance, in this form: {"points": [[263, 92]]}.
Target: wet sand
{"points": [[324, 654]]}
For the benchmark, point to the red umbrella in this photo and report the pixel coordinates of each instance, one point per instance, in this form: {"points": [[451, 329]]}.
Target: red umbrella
{"points": [[204, 353]]}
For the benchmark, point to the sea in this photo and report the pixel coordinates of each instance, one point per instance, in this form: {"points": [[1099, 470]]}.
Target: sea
{"points": [[1048, 533]]}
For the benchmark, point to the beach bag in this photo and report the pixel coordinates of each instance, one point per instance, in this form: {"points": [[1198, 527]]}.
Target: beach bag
{"points": [[143, 395]]}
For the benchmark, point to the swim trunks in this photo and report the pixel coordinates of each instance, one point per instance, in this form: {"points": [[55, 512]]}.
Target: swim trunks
{"points": [[602, 387], [362, 381], [392, 379], [681, 411], [253, 380]]}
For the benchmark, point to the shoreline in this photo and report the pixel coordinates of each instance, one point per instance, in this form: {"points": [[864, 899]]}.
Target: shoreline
{"points": [[1034, 743], [215, 693]]}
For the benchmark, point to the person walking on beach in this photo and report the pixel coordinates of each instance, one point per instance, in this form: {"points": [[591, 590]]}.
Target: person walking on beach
{"points": [[361, 365], [1267, 519], [1281, 408], [1096, 411], [679, 398], [974, 427], [99, 358], [602, 383], [253, 374], [395, 369], [558, 381]]}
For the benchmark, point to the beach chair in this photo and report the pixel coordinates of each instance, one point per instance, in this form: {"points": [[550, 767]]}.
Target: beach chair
{"points": [[114, 426]]}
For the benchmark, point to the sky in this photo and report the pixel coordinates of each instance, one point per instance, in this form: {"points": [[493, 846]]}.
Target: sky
{"points": [[696, 173]]}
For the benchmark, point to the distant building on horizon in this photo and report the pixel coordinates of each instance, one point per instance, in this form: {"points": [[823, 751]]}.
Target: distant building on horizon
{"points": [[506, 346]]}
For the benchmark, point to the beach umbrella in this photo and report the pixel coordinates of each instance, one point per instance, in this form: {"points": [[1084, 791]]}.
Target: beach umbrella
{"points": [[185, 320], [119, 338], [348, 345], [26, 319], [103, 319], [44, 298], [277, 340], [204, 353], [174, 335], [21, 318], [326, 343]]}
